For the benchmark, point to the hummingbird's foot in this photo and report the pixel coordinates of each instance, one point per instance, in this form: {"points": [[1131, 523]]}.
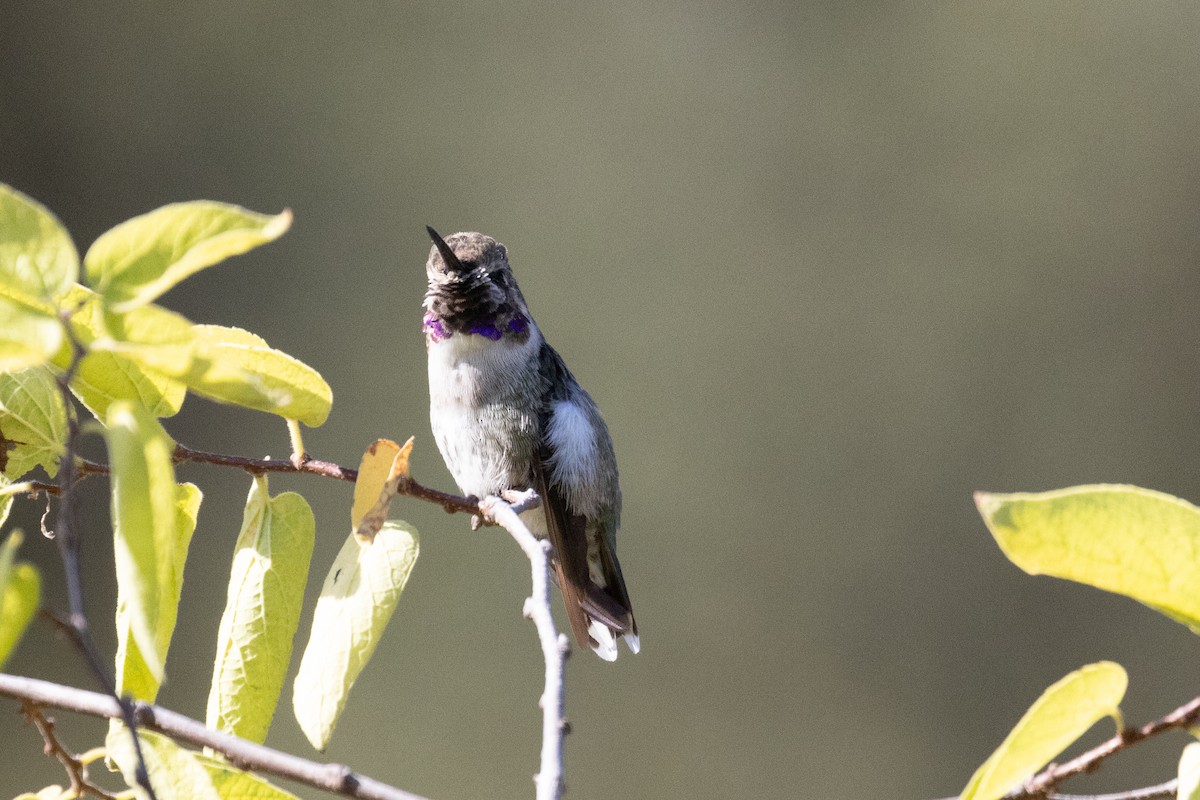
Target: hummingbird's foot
{"points": [[520, 499]]}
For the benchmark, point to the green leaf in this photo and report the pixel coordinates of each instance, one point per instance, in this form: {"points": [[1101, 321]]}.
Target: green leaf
{"points": [[152, 337], [234, 784], [134, 676], [105, 378], [235, 366], [1122, 539], [52, 792], [8, 554], [27, 339], [6, 498], [33, 422], [20, 595], [143, 511], [357, 600], [140, 259], [37, 256], [1189, 773], [262, 612], [105, 375], [175, 773], [1061, 715]]}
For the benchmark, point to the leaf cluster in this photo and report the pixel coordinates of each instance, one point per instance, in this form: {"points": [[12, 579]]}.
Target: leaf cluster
{"points": [[91, 333]]}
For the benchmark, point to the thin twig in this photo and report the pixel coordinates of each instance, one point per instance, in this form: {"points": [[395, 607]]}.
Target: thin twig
{"points": [[555, 646], [452, 503], [1041, 786], [76, 769], [1167, 789], [335, 778], [1046, 780]]}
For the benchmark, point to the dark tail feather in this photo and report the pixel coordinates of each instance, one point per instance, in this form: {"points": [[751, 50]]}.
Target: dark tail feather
{"points": [[569, 540]]}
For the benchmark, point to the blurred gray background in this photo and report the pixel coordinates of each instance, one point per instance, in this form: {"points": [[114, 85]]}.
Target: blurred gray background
{"points": [[827, 268]]}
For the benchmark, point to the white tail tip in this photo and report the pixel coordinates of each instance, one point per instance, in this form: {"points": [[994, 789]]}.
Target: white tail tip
{"points": [[605, 643]]}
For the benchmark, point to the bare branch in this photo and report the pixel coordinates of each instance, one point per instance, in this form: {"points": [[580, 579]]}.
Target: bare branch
{"points": [[303, 465], [335, 778], [77, 770], [555, 646], [1044, 782], [1167, 789]]}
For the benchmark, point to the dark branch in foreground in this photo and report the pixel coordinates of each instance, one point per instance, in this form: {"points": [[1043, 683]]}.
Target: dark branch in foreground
{"points": [[335, 778]]}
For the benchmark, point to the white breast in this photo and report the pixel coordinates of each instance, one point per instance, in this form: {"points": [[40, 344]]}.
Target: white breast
{"points": [[466, 373]]}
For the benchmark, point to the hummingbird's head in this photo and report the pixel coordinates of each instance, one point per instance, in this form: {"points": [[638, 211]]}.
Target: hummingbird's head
{"points": [[471, 288]]}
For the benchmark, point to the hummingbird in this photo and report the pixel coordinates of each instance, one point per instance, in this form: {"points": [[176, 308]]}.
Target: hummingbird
{"points": [[509, 416]]}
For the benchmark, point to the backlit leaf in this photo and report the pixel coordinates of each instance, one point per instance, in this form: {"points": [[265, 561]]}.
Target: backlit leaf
{"points": [[357, 600], [20, 595], [33, 422], [175, 773], [1061, 715], [27, 339], [382, 468], [104, 376], [6, 498], [37, 256], [141, 258], [262, 612], [144, 520], [152, 337], [1189, 773], [234, 784], [134, 676], [1122, 539], [235, 366]]}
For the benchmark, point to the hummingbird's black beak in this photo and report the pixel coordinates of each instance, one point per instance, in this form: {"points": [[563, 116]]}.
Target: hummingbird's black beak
{"points": [[452, 262]]}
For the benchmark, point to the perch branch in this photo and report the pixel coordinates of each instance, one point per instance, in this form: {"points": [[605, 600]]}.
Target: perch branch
{"points": [[555, 647], [335, 778]]}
